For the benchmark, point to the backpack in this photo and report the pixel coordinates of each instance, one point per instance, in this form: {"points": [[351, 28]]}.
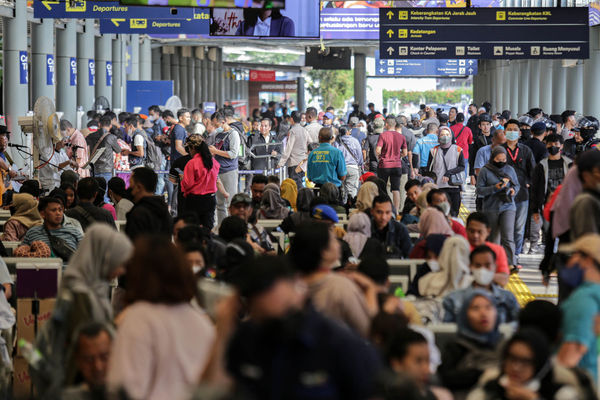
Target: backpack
{"points": [[152, 154], [243, 154]]}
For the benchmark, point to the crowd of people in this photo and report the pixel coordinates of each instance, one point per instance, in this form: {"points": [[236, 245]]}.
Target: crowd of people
{"points": [[177, 285]]}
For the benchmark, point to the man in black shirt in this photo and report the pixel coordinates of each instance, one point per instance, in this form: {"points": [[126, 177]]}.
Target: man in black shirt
{"points": [[536, 143], [86, 212]]}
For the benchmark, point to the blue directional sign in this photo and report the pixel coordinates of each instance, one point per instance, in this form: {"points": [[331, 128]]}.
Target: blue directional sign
{"points": [[146, 25], [108, 10], [424, 67]]}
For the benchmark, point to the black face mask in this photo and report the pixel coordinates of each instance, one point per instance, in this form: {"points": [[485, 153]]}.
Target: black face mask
{"points": [[586, 134], [499, 164], [553, 150], [525, 134]]}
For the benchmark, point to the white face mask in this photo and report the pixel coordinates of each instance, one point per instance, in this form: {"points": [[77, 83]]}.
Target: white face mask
{"points": [[445, 206], [196, 269], [434, 265], [495, 124], [483, 276]]}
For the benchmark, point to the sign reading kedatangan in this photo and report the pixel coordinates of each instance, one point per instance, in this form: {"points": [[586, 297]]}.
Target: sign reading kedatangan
{"points": [[484, 33]]}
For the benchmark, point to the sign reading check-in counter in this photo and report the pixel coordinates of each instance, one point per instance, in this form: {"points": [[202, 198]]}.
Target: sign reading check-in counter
{"points": [[484, 33]]}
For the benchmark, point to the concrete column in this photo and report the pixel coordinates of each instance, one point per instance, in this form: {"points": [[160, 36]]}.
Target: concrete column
{"points": [[591, 71], [575, 87], [134, 42], [534, 83], [66, 89], [212, 76], [118, 65], [507, 86], [492, 86], [546, 85], [85, 53], [219, 69], [15, 58], [301, 95], [498, 82], [191, 92], [514, 86], [145, 60], [156, 65], [175, 62], [199, 59], [227, 84], [523, 87], [43, 62], [103, 55], [205, 70], [360, 80], [165, 65], [559, 87], [183, 77]]}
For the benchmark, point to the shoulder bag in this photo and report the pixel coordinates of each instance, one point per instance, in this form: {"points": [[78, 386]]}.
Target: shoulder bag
{"points": [[59, 246]]}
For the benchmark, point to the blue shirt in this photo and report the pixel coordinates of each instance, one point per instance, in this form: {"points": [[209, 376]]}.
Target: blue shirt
{"points": [[358, 135], [354, 156], [579, 312], [483, 156], [506, 303], [326, 164], [424, 146], [178, 133]]}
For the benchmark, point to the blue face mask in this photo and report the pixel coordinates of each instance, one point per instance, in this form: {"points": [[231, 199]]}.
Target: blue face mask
{"points": [[219, 130], [571, 276], [512, 135]]}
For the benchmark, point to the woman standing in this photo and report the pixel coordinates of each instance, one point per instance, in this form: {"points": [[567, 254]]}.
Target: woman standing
{"points": [[497, 183], [199, 183], [448, 164]]}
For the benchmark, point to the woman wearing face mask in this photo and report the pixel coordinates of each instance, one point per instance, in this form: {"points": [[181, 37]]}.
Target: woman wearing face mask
{"points": [[432, 221], [473, 350], [433, 247], [498, 184], [448, 163], [526, 372]]}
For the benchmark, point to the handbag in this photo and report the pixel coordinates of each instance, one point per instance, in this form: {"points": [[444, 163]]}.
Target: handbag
{"points": [[454, 179], [59, 246]]}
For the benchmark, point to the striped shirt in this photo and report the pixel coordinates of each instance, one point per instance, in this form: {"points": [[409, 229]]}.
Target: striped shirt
{"points": [[69, 234]]}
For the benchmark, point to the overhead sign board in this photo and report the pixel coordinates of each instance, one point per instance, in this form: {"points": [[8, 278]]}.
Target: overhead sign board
{"points": [[146, 25], [484, 33], [407, 67], [262, 76], [107, 10]]}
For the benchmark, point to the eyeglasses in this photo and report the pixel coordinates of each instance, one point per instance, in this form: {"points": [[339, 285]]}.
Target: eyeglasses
{"points": [[525, 362]]}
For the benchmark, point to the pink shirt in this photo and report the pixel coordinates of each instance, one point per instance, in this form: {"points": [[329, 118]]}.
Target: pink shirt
{"points": [[199, 180], [464, 140], [392, 143], [77, 139]]}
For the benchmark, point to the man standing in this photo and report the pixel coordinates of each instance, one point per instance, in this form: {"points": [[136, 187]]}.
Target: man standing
{"points": [[49, 174], [521, 159], [452, 116], [159, 127], [225, 150], [536, 143], [295, 151], [569, 123], [371, 144], [104, 142], [313, 127], [326, 163], [86, 212], [372, 113], [138, 143], [263, 147], [424, 146], [77, 148], [391, 147], [352, 152], [431, 117], [356, 113], [480, 139]]}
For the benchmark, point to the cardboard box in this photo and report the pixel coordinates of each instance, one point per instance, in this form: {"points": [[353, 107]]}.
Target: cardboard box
{"points": [[26, 319], [21, 379]]}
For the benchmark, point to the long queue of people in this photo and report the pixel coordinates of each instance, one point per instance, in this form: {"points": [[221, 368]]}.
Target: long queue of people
{"points": [[211, 304]]}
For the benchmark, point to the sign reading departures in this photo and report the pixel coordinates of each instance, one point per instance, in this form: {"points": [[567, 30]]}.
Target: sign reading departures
{"points": [[484, 33], [107, 10]]}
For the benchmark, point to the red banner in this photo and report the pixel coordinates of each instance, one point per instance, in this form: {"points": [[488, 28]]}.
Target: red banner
{"points": [[262, 76]]}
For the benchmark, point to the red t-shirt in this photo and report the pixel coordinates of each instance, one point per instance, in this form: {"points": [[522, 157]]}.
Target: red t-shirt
{"points": [[458, 228], [501, 259], [465, 138], [392, 143]]}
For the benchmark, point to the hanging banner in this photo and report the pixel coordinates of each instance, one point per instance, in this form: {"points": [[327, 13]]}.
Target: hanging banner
{"points": [[23, 67], [73, 72], [49, 69], [109, 73], [92, 72]]}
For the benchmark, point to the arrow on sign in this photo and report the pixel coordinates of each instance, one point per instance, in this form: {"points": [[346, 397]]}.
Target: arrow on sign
{"points": [[117, 21], [381, 62], [470, 70], [381, 70], [470, 62], [390, 50], [390, 14], [390, 33], [47, 3]]}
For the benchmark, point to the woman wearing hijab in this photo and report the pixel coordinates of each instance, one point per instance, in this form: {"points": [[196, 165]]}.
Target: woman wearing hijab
{"points": [[359, 231], [475, 347], [305, 197], [448, 163], [289, 192], [82, 298], [432, 222], [272, 205], [24, 216], [527, 372], [497, 184], [364, 199], [331, 194]]}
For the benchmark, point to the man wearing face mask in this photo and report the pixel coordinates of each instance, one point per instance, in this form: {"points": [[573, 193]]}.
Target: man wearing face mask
{"points": [[448, 163], [483, 269], [521, 159], [580, 310], [525, 123], [585, 211], [482, 136], [584, 138]]}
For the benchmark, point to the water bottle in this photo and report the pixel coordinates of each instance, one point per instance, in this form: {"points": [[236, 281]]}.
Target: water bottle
{"points": [[30, 353]]}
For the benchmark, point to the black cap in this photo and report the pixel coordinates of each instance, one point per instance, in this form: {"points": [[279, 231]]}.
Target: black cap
{"points": [[485, 117], [4, 130]]}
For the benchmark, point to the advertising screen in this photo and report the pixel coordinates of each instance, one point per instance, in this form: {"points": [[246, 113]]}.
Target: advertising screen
{"points": [[209, 3], [360, 19], [299, 19]]}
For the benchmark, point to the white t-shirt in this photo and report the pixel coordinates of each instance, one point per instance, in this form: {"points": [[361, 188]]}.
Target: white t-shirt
{"points": [[49, 175], [138, 140]]}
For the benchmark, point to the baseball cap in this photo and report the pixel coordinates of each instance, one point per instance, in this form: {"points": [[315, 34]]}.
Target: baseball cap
{"points": [[241, 198], [354, 120], [324, 212], [538, 127], [485, 118], [363, 178], [329, 115], [588, 244], [378, 125]]}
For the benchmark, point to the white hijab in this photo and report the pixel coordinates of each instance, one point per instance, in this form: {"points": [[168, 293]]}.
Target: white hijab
{"points": [[454, 270], [101, 251]]}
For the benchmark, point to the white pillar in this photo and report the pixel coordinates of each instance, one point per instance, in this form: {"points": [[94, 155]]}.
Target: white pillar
{"points": [[575, 88], [559, 87], [546, 85], [534, 83], [524, 102], [591, 71]]}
